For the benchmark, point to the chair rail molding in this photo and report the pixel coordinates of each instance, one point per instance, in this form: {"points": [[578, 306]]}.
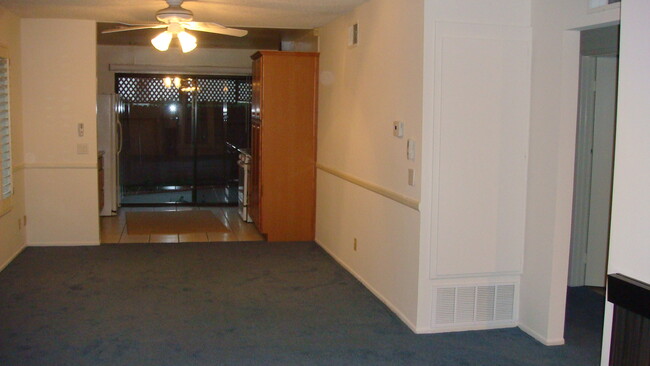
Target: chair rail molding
{"points": [[397, 197]]}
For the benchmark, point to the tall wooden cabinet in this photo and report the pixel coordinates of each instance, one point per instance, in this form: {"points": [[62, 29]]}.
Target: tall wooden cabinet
{"points": [[283, 170]]}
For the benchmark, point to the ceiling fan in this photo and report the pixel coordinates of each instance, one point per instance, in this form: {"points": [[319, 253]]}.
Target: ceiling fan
{"points": [[176, 19]]}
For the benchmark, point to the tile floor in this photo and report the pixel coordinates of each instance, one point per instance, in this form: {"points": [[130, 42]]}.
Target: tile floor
{"points": [[113, 228]]}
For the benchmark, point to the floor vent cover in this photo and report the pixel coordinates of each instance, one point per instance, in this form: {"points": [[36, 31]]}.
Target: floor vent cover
{"points": [[469, 305]]}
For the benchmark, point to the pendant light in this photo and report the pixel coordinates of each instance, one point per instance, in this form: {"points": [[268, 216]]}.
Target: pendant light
{"points": [[188, 41], [162, 41]]}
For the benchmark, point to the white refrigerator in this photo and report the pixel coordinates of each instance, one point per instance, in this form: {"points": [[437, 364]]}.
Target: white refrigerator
{"points": [[109, 140]]}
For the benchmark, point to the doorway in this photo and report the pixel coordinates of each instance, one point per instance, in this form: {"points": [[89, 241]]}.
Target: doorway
{"points": [[594, 158], [181, 137]]}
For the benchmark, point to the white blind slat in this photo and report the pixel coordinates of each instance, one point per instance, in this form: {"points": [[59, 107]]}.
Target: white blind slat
{"points": [[5, 131]]}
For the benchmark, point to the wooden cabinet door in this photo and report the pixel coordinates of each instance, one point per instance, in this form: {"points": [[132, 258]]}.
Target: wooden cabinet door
{"points": [[283, 144], [255, 186]]}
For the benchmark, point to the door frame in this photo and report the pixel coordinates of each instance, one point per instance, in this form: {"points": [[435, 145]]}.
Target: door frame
{"points": [[583, 168]]}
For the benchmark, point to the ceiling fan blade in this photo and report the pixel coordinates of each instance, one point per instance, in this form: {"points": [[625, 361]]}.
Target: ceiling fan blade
{"points": [[214, 28], [134, 27]]}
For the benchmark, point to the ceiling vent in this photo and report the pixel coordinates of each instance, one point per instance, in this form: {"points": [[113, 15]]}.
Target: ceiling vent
{"points": [[469, 306]]}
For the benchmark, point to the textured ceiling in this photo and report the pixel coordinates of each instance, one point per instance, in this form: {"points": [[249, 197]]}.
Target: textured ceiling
{"points": [[298, 14]]}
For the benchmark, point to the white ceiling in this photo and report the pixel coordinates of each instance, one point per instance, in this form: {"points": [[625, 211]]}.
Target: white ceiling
{"points": [[300, 14]]}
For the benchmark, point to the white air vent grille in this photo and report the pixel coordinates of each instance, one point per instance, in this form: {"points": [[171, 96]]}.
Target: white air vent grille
{"points": [[446, 306], [485, 305], [505, 302], [469, 305]]}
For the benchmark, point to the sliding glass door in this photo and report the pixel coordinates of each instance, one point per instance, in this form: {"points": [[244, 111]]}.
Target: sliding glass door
{"points": [[181, 136]]}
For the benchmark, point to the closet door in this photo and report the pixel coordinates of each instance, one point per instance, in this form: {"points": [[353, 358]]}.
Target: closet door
{"points": [[482, 103]]}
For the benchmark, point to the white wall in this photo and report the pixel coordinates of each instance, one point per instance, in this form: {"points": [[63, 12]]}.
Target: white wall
{"points": [[556, 43], [362, 91], [629, 252], [59, 88], [444, 23], [148, 59], [12, 238]]}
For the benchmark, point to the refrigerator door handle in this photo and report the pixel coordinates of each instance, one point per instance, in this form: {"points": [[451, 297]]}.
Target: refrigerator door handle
{"points": [[119, 137]]}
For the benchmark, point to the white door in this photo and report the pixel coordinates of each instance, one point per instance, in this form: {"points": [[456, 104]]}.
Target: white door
{"points": [[601, 170]]}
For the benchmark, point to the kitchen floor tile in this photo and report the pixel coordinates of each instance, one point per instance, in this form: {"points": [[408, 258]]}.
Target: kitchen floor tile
{"points": [[193, 238], [154, 238]]}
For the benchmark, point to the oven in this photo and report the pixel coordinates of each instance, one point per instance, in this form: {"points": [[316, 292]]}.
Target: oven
{"points": [[243, 193]]}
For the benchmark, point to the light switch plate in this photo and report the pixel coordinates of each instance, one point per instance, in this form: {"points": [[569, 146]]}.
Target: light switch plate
{"points": [[353, 35], [398, 129], [410, 149]]}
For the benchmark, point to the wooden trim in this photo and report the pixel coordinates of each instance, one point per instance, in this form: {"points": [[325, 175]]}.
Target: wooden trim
{"points": [[6, 205], [18, 167], [61, 166], [399, 198], [629, 293], [164, 69], [314, 137]]}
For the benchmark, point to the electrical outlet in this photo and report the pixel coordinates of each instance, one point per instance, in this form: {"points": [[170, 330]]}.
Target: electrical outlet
{"points": [[80, 129], [411, 177], [82, 149], [355, 244]]}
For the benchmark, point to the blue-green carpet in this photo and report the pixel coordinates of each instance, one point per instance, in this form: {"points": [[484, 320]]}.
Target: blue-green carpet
{"points": [[237, 304]]}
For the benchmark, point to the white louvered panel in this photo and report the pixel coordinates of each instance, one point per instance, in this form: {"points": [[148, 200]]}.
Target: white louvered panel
{"points": [[505, 302], [465, 304], [473, 305], [445, 305], [485, 296]]}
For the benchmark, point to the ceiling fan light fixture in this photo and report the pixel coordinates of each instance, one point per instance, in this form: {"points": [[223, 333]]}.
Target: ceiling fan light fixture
{"points": [[188, 41], [162, 41]]}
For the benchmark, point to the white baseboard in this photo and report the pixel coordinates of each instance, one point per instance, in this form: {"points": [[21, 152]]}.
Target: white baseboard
{"points": [[6, 263], [543, 340], [63, 244], [374, 291], [465, 328]]}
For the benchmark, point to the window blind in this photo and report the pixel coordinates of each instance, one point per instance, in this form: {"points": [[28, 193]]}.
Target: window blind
{"points": [[5, 131]]}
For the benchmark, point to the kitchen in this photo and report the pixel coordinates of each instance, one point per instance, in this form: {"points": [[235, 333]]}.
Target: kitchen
{"points": [[116, 63]]}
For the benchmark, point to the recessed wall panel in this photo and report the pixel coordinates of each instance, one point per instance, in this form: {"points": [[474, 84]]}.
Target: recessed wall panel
{"points": [[482, 100]]}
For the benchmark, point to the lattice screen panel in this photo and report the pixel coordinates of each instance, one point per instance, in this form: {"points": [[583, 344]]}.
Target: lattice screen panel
{"points": [[149, 89], [145, 90]]}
